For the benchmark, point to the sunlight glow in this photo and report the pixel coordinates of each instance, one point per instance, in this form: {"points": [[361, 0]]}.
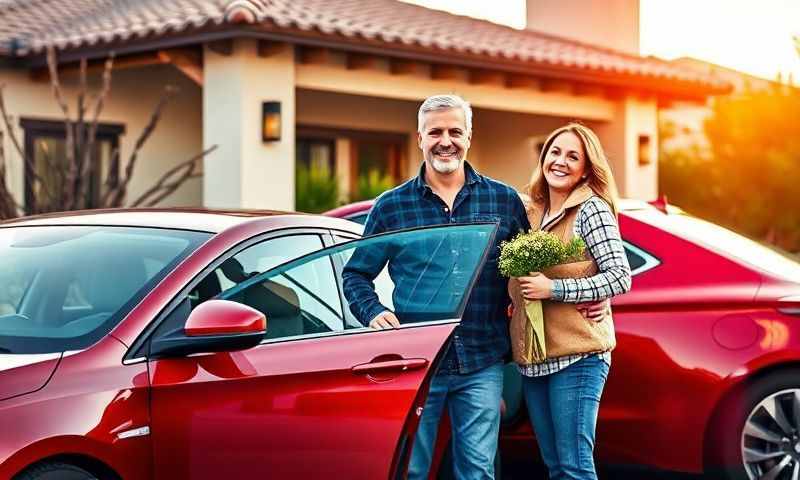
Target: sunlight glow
{"points": [[749, 36]]}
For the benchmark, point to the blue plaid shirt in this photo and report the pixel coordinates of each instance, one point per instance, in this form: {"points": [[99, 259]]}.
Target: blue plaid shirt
{"points": [[481, 339]]}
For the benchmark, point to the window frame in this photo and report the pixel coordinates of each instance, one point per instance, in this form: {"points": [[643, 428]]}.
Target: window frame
{"points": [[35, 128], [139, 349]]}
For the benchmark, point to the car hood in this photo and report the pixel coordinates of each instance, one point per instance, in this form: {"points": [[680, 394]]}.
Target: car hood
{"points": [[21, 374]]}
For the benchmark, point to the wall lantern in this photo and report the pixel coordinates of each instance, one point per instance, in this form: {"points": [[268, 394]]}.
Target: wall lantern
{"points": [[270, 121]]}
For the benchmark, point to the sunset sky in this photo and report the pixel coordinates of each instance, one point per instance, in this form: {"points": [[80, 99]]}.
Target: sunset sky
{"points": [[747, 35]]}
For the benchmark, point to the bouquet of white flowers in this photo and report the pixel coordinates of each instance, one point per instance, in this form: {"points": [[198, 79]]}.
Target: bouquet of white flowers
{"points": [[534, 252]]}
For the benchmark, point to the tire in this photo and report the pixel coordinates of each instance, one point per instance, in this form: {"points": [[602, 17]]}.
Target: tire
{"points": [[55, 471], [758, 431]]}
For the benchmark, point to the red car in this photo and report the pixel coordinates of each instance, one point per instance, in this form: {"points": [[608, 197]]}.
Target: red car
{"points": [[191, 344], [706, 372]]}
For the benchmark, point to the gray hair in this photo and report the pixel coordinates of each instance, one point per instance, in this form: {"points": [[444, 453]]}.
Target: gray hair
{"points": [[444, 102]]}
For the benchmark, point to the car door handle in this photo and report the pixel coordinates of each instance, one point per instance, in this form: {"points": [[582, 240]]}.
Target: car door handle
{"points": [[402, 365]]}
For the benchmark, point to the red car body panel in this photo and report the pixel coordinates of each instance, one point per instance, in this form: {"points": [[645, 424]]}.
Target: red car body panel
{"points": [[283, 401], [689, 333], [295, 400], [73, 416]]}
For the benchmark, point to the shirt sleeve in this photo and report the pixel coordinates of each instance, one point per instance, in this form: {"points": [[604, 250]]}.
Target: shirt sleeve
{"points": [[597, 226], [358, 274]]}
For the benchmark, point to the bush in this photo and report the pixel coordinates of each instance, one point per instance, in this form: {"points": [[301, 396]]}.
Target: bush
{"points": [[371, 185], [316, 190], [749, 177]]}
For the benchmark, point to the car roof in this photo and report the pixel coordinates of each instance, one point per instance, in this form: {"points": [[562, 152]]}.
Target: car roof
{"points": [[625, 205], [198, 219]]}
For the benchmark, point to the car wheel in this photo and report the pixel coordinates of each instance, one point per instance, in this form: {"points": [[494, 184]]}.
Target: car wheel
{"points": [[55, 471], [760, 431]]}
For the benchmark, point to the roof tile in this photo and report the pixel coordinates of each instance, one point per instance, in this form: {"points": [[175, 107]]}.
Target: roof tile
{"points": [[81, 23]]}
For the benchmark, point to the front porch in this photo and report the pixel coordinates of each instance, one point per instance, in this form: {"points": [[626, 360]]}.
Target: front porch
{"points": [[354, 116]]}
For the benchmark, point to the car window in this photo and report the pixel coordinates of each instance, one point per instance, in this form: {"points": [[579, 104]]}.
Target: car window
{"points": [[639, 260], [300, 300], [437, 285], [360, 218], [384, 286], [63, 288], [251, 261]]}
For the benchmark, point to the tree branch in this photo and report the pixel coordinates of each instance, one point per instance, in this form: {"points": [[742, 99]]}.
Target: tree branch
{"points": [[9, 208], [163, 188], [87, 165], [27, 159], [116, 197], [72, 167]]}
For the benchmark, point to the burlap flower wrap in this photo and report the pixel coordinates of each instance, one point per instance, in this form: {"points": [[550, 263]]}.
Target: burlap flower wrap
{"points": [[541, 252]]}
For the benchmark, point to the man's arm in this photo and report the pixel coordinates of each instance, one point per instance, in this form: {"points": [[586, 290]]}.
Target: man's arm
{"points": [[358, 275]]}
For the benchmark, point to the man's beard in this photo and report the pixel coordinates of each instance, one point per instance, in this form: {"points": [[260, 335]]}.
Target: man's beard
{"points": [[447, 167]]}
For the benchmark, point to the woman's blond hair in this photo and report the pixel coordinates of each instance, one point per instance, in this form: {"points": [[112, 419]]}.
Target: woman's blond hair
{"points": [[599, 176]]}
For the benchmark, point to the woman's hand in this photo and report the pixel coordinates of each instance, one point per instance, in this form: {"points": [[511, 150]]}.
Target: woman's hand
{"points": [[536, 287]]}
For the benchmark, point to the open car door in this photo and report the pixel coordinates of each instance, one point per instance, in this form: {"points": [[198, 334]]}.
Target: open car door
{"points": [[321, 396]]}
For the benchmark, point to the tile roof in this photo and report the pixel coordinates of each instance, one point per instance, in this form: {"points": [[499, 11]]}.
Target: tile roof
{"points": [[27, 28]]}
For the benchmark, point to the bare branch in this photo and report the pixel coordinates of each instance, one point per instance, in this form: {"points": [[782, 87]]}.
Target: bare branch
{"points": [[80, 123], [112, 180], [9, 208], [90, 138], [163, 187], [30, 166], [117, 196], [72, 166]]}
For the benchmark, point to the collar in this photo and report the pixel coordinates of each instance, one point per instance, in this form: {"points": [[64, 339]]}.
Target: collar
{"points": [[471, 177], [579, 194]]}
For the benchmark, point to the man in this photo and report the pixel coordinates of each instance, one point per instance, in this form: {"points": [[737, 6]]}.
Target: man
{"points": [[470, 378]]}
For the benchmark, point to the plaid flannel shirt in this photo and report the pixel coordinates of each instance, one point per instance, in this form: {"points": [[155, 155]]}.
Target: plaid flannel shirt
{"points": [[598, 228], [481, 339]]}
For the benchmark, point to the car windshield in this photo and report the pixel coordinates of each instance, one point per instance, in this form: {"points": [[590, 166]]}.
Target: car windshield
{"points": [[64, 287], [769, 259]]}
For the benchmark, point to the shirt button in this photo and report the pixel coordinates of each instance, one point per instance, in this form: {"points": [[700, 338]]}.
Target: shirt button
{"points": [[446, 209]]}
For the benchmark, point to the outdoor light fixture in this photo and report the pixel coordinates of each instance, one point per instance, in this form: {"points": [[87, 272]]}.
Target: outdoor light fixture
{"points": [[270, 121]]}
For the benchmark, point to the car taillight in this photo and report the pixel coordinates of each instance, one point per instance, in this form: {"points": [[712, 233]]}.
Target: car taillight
{"points": [[789, 305]]}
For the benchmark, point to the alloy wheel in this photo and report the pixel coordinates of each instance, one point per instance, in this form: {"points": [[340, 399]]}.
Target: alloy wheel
{"points": [[770, 441]]}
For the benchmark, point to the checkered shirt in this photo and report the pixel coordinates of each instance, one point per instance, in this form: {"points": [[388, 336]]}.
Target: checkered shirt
{"points": [[597, 226], [481, 339]]}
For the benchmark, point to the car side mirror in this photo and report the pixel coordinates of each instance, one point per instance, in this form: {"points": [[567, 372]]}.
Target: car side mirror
{"points": [[214, 326]]}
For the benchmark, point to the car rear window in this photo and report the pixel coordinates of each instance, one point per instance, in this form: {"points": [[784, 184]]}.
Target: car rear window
{"points": [[771, 260], [64, 287]]}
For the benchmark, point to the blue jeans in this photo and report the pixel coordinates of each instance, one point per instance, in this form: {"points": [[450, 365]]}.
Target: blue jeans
{"points": [[473, 403], [563, 407]]}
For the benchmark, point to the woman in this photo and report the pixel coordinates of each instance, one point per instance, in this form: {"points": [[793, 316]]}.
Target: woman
{"points": [[572, 193]]}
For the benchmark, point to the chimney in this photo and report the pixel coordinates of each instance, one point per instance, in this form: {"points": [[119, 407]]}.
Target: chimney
{"points": [[605, 23]]}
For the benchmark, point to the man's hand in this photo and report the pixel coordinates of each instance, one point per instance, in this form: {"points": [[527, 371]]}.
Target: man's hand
{"points": [[384, 320], [594, 311]]}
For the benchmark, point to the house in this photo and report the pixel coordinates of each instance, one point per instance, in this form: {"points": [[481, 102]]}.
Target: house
{"points": [[334, 86]]}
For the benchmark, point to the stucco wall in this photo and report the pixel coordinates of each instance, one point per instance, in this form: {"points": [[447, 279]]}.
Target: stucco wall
{"points": [[502, 146], [620, 138], [134, 93], [247, 172]]}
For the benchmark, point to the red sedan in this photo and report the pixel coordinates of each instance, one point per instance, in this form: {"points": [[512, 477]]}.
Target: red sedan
{"points": [[191, 344], [706, 373]]}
